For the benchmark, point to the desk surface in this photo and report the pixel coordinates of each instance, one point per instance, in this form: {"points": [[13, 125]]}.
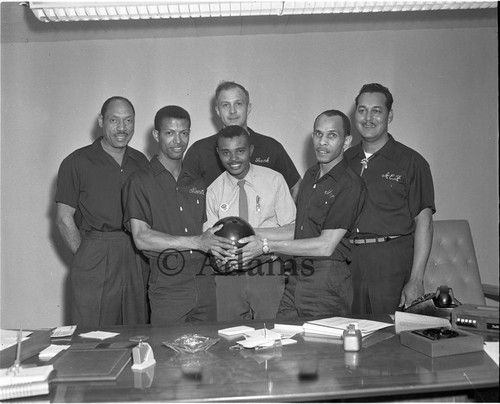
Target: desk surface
{"points": [[308, 370]]}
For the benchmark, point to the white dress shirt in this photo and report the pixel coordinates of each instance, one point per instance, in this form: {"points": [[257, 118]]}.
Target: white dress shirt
{"points": [[270, 203]]}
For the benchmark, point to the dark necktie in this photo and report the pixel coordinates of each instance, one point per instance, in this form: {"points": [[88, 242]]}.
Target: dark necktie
{"points": [[243, 201]]}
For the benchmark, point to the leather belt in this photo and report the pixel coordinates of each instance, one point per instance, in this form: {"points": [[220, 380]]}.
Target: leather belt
{"points": [[371, 240]]}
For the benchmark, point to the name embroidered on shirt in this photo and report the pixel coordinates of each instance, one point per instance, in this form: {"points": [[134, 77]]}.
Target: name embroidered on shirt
{"points": [[262, 160], [197, 191], [329, 193], [392, 177]]}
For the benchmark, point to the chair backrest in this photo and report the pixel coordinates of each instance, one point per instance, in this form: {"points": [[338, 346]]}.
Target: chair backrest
{"points": [[453, 262]]}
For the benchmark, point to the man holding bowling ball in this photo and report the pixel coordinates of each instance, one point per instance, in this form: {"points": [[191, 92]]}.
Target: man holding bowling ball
{"points": [[261, 197], [164, 208], [330, 200]]}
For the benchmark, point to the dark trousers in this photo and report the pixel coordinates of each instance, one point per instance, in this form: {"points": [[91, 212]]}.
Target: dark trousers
{"points": [[192, 300], [379, 273], [108, 281], [255, 294], [181, 288], [319, 288]]}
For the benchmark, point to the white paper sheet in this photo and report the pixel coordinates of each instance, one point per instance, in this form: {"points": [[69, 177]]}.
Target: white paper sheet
{"points": [[408, 322]]}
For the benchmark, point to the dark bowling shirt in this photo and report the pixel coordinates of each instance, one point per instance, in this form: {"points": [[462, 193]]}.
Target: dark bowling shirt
{"points": [[332, 202], [202, 158], [177, 208], [91, 181], [399, 184]]}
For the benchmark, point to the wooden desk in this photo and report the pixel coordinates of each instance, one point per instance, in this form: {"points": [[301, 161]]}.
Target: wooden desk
{"points": [[306, 371]]}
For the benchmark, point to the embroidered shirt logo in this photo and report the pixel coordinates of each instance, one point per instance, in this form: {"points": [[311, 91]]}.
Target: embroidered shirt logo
{"points": [[224, 207], [329, 193], [197, 191], [392, 177], [262, 160]]}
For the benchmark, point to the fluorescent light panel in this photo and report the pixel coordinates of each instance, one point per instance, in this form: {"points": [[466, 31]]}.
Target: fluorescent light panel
{"points": [[129, 10]]}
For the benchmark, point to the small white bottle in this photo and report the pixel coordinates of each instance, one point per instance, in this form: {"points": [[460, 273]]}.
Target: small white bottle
{"points": [[352, 338]]}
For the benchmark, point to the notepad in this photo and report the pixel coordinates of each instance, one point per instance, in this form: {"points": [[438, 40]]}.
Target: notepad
{"points": [[91, 364], [232, 331], [24, 390], [27, 382], [25, 375], [51, 351]]}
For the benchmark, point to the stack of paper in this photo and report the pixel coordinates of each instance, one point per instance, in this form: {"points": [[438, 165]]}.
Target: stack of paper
{"points": [[288, 331], [51, 351], [335, 326], [259, 338], [63, 332], [408, 322], [99, 334], [235, 331], [25, 382]]}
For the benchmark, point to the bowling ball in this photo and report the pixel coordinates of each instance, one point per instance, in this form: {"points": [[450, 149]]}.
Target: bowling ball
{"points": [[234, 228]]}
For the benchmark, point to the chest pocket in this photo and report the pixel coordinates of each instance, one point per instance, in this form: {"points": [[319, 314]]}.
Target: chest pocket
{"points": [[319, 208], [392, 189], [196, 206]]}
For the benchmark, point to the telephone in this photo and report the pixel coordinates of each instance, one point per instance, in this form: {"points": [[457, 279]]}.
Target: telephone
{"points": [[438, 304]]}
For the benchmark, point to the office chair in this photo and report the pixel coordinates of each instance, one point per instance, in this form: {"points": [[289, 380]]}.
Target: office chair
{"points": [[453, 262]]}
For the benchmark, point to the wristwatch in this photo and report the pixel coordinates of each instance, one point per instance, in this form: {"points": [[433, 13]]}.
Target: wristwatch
{"points": [[265, 246]]}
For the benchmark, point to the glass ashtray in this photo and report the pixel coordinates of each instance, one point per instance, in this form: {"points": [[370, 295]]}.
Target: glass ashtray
{"points": [[191, 343]]}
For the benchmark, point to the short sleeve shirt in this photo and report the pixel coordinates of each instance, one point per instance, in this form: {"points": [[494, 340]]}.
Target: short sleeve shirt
{"points": [[152, 195], [269, 201], [333, 201], [91, 181], [399, 184], [202, 158]]}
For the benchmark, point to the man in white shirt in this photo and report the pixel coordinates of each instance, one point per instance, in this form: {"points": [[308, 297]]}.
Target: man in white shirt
{"points": [[255, 293]]}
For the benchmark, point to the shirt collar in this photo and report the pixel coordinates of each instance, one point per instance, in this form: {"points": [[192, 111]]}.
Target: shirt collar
{"points": [[335, 173], [388, 150], [249, 178], [157, 167], [97, 145]]}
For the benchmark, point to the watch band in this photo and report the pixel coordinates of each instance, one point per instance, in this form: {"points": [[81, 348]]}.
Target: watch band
{"points": [[265, 246]]}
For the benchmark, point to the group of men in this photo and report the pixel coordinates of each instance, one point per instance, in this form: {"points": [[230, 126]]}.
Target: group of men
{"points": [[357, 228]]}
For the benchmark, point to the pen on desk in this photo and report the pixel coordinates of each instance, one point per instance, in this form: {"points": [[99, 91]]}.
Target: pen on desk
{"points": [[265, 331], [18, 353], [17, 363]]}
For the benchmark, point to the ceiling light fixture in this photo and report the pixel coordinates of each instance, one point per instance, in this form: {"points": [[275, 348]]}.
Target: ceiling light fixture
{"points": [[153, 9]]}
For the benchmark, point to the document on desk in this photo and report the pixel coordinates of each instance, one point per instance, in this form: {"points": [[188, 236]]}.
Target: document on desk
{"points": [[234, 331], [99, 334], [335, 326], [63, 332], [408, 322], [8, 338], [288, 331], [51, 351], [491, 348]]}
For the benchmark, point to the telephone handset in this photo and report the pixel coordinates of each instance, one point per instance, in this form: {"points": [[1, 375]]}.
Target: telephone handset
{"points": [[438, 304]]}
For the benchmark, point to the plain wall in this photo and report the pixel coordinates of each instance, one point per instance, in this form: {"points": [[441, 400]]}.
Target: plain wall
{"points": [[444, 83]]}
